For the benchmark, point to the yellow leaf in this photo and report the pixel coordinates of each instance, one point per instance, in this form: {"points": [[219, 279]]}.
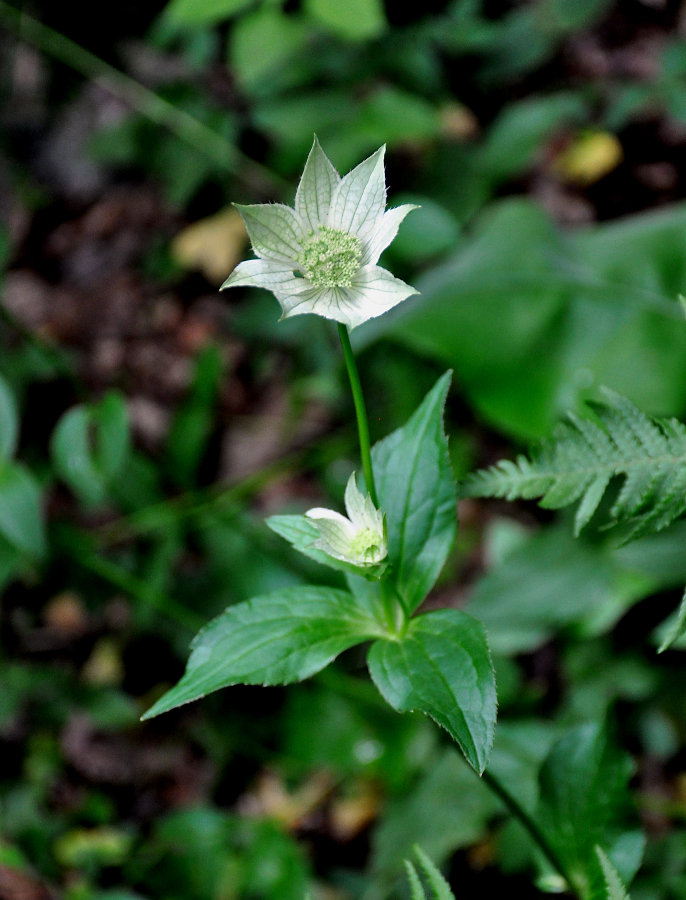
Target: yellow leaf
{"points": [[589, 157], [213, 245]]}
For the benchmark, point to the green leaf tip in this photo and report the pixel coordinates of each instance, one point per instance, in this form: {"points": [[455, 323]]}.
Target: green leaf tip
{"points": [[442, 667]]}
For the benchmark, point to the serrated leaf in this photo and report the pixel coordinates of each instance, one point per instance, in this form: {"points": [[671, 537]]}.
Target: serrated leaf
{"points": [[21, 520], [441, 666], [614, 889], [583, 456], [416, 889], [584, 802], [676, 627], [277, 638], [416, 490], [439, 886], [9, 421]]}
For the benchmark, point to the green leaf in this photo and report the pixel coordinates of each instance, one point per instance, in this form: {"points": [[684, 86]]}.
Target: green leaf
{"points": [[197, 13], [90, 446], [416, 889], [584, 802], [416, 490], [441, 666], [520, 130], [277, 638], [676, 627], [614, 889], [582, 457], [592, 586], [354, 20], [21, 519], [9, 421], [263, 41], [531, 317]]}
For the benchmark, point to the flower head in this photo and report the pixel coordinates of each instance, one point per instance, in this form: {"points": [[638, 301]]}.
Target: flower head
{"points": [[361, 538], [321, 257]]}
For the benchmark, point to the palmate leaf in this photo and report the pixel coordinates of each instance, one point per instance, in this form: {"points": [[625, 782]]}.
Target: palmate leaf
{"points": [[585, 454]]}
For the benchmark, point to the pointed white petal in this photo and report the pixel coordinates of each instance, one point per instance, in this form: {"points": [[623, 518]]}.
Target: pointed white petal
{"points": [[319, 512], [336, 538], [316, 188], [373, 292], [359, 199], [384, 232], [355, 505], [265, 273], [275, 230], [322, 301]]}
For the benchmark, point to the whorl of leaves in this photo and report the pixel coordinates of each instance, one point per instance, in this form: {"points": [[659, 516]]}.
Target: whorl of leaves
{"points": [[585, 454]]}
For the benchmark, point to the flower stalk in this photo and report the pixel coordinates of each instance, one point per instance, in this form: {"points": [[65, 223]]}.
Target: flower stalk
{"points": [[360, 411]]}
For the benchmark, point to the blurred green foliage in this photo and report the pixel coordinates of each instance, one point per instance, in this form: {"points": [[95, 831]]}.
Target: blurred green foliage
{"points": [[113, 553]]}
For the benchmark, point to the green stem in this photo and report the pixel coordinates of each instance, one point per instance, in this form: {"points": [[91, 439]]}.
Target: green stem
{"points": [[147, 102], [531, 826], [360, 411]]}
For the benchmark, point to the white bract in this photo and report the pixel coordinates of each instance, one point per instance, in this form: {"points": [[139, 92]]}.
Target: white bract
{"points": [[361, 538], [321, 257]]}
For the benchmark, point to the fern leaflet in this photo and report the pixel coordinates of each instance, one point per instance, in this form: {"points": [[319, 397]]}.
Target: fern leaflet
{"points": [[585, 454], [440, 890]]}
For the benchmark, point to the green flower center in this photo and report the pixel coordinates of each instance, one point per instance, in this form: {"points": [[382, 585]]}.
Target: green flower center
{"points": [[331, 257], [366, 544]]}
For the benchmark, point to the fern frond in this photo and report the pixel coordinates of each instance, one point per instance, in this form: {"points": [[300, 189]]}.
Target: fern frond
{"points": [[584, 455]]}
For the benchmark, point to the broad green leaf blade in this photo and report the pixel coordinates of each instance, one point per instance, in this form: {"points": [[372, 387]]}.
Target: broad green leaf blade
{"points": [[522, 307], [442, 667], [614, 889], [21, 520], [9, 421], [677, 627], [354, 20], [551, 582], [416, 489], [277, 638], [197, 13], [584, 801], [263, 42]]}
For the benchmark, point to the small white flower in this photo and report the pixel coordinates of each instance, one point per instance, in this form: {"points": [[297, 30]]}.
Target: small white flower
{"points": [[321, 256], [361, 538]]}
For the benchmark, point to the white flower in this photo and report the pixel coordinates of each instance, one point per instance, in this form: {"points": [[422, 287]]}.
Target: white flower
{"points": [[359, 539], [321, 256]]}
